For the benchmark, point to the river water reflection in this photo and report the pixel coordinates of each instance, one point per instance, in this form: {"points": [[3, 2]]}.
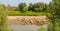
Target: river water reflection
{"points": [[26, 27]]}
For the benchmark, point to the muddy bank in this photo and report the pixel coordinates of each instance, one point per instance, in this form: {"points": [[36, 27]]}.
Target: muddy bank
{"points": [[28, 20]]}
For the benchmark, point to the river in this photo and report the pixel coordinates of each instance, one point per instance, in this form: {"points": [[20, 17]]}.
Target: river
{"points": [[26, 27]]}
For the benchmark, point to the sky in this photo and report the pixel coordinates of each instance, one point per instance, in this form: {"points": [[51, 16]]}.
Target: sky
{"points": [[16, 2]]}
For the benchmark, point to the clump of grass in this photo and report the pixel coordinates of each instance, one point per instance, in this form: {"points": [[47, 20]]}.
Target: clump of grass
{"points": [[42, 29]]}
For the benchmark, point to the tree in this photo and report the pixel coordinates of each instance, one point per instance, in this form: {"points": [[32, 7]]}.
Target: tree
{"points": [[21, 6], [25, 9], [30, 7], [55, 12], [3, 19], [36, 9]]}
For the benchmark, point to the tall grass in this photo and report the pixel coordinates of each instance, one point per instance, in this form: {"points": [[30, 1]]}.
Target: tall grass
{"points": [[27, 13]]}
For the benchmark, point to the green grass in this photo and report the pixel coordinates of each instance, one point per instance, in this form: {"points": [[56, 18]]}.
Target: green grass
{"points": [[27, 13], [42, 29]]}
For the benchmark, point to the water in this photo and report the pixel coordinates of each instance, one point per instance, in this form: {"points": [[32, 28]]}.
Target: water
{"points": [[26, 27]]}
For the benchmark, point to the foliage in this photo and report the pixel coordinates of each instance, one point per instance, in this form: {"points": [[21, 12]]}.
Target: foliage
{"points": [[55, 12], [22, 6], [3, 19], [51, 10], [42, 29], [36, 7], [28, 13]]}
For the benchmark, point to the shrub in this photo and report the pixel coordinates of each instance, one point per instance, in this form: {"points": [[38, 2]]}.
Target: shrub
{"points": [[42, 29]]}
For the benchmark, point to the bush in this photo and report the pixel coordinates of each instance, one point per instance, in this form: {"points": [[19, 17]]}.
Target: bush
{"points": [[27, 13], [42, 29]]}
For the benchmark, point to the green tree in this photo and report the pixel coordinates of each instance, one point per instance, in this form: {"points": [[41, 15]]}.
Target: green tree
{"points": [[21, 6], [55, 14], [25, 9], [36, 9], [3, 19], [30, 7]]}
